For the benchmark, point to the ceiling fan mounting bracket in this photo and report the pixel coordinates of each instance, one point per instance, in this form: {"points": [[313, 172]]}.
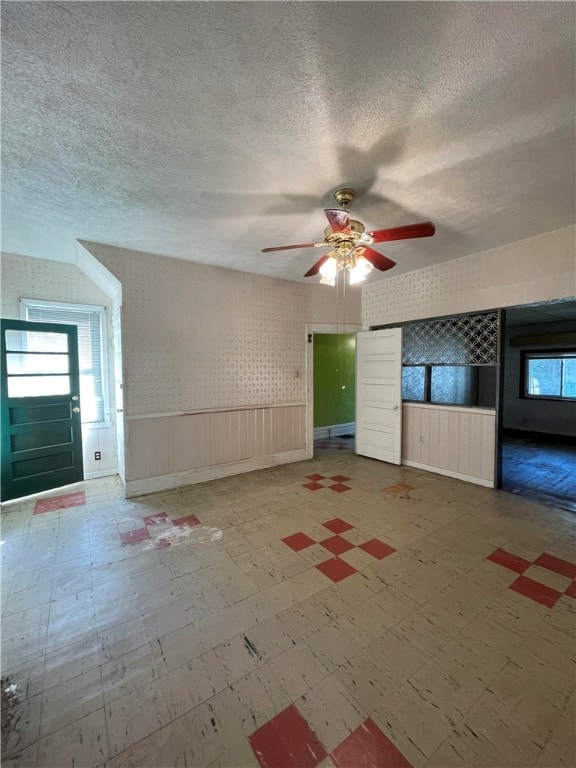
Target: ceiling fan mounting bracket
{"points": [[344, 196]]}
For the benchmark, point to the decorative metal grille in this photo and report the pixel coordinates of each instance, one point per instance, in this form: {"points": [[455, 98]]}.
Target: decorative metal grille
{"points": [[466, 340]]}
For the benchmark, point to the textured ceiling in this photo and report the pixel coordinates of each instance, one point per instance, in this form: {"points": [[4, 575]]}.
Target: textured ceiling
{"points": [[210, 130]]}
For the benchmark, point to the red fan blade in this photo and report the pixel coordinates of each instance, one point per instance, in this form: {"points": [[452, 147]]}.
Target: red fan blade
{"points": [[290, 247], [316, 268], [377, 260], [338, 220], [424, 229]]}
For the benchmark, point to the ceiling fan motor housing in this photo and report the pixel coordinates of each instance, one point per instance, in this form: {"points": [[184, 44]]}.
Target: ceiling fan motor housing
{"points": [[344, 196]]}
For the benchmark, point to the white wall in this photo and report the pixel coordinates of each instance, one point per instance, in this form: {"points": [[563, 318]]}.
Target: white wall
{"points": [[24, 277], [537, 269], [200, 340]]}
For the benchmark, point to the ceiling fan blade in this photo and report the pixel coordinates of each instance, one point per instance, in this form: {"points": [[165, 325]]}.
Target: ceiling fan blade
{"points": [[377, 260], [338, 219], [424, 229], [291, 247], [316, 267]]}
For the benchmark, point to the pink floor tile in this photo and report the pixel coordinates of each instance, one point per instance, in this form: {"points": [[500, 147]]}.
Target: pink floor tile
{"points": [[315, 476], [336, 544], [336, 569], [188, 521], [368, 747], [65, 501], [339, 487], [134, 536], [556, 564], [287, 741], [507, 560], [298, 541], [338, 525], [339, 478], [377, 548], [161, 517], [540, 593], [312, 486]]}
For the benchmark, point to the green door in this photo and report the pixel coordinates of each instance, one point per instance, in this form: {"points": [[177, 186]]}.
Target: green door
{"points": [[40, 408]]}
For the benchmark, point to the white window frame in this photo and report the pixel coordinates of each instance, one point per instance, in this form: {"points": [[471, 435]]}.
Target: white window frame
{"points": [[101, 310]]}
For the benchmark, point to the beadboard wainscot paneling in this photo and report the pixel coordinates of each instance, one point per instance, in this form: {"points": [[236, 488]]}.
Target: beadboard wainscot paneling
{"points": [[450, 440], [170, 450]]}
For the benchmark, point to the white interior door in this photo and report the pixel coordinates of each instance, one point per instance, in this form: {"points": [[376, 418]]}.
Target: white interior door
{"points": [[379, 394]]}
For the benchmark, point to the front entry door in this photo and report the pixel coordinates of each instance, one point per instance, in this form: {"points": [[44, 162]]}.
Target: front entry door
{"points": [[379, 394], [40, 407]]}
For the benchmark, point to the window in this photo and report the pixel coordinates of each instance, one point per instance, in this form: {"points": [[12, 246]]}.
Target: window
{"points": [[91, 323], [449, 384], [550, 375]]}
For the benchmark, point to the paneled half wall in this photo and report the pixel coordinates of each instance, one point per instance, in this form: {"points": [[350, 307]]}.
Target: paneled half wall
{"points": [[171, 450]]}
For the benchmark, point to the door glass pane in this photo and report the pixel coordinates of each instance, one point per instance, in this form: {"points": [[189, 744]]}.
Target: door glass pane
{"points": [[544, 377], [413, 379], [36, 341], [38, 386], [36, 363]]}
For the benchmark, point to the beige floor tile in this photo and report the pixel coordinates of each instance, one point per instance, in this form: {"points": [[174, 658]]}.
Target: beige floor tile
{"points": [[299, 669], [131, 671], [135, 715], [178, 647], [366, 682], [330, 711], [63, 704], [81, 743], [415, 725]]}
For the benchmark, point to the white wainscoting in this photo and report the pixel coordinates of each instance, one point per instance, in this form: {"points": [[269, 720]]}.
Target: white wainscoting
{"points": [[450, 440], [169, 450]]}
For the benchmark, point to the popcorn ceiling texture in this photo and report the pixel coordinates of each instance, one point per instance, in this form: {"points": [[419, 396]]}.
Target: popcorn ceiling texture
{"points": [[209, 130], [536, 269], [199, 337]]}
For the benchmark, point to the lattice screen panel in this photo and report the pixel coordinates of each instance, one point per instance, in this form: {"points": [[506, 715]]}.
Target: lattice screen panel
{"points": [[465, 340]]}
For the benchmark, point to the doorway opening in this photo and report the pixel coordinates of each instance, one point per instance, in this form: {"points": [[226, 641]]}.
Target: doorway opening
{"points": [[538, 436], [331, 388]]}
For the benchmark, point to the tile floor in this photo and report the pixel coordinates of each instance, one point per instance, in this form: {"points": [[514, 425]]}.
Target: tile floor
{"points": [[412, 620]]}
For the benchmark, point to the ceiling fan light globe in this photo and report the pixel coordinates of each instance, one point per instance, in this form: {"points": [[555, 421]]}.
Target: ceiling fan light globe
{"points": [[364, 265], [329, 268]]}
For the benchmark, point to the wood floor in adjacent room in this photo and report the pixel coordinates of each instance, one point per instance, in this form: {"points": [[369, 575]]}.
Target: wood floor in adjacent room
{"points": [[338, 612], [541, 469]]}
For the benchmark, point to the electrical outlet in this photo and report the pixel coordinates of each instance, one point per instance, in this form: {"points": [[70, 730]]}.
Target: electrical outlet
{"points": [[97, 456]]}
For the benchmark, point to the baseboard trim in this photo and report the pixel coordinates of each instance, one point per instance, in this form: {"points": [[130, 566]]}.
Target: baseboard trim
{"points": [[100, 473], [192, 476], [449, 473], [544, 437], [334, 430]]}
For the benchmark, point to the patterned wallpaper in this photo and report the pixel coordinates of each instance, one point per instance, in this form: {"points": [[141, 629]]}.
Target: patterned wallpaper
{"points": [[197, 337], [24, 277], [528, 271]]}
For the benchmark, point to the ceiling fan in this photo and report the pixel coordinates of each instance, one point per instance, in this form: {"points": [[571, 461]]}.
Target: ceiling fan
{"points": [[350, 244]]}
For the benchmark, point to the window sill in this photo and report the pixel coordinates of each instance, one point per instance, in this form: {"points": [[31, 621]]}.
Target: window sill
{"points": [[446, 407]]}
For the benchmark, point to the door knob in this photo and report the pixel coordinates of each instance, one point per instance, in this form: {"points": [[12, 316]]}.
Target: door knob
{"points": [[74, 397], [76, 409]]}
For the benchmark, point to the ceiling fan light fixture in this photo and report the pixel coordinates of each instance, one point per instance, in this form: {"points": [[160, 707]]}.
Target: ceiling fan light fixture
{"points": [[329, 268], [360, 271]]}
